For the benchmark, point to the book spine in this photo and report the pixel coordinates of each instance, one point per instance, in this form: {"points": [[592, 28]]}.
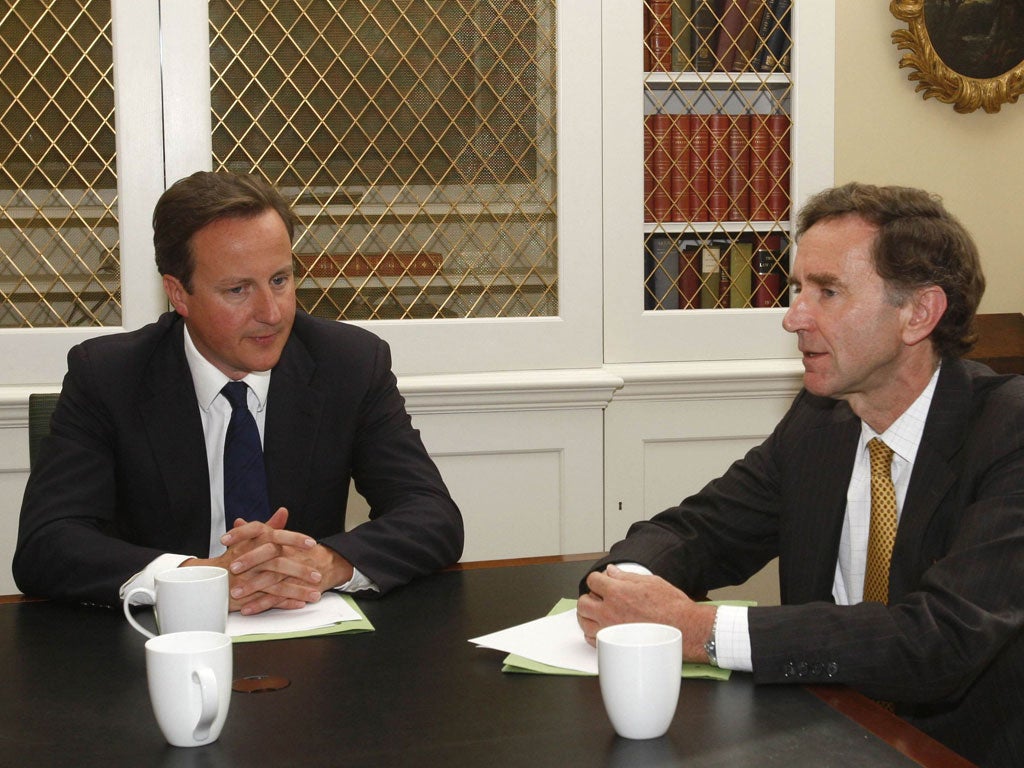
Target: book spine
{"points": [[659, 36], [665, 267], [776, 49], [730, 28], [724, 277], [700, 150], [710, 274], [741, 274], [649, 269], [778, 167], [768, 287], [705, 24], [689, 275], [660, 165], [743, 61], [738, 174], [760, 149], [682, 35], [769, 22], [647, 38], [682, 192], [648, 168], [718, 167]]}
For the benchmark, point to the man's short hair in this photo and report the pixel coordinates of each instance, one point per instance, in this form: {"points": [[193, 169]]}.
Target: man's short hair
{"points": [[191, 203], [919, 243]]}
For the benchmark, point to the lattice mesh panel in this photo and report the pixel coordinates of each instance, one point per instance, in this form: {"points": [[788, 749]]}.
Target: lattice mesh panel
{"points": [[416, 139], [717, 137], [59, 244]]}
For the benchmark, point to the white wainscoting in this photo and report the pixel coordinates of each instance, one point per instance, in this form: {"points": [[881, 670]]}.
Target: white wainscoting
{"points": [[542, 462]]}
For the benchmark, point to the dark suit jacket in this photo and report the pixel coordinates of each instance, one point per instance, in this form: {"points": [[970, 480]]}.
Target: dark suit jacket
{"points": [[949, 648], [123, 475]]}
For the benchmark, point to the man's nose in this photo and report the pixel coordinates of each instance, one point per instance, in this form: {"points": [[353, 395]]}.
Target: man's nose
{"points": [[796, 317]]}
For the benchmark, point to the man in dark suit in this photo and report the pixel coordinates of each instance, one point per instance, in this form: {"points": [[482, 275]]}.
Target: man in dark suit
{"points": [[131, 480], [886, 283]]}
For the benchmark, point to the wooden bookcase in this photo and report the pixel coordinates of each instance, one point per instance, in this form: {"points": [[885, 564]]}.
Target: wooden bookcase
{"points": [[717, 89], [728, 129]]}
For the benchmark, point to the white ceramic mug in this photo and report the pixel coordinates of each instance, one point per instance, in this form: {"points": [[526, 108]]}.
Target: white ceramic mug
{"points": [[640, 667], [189, 676], [189, 598]]}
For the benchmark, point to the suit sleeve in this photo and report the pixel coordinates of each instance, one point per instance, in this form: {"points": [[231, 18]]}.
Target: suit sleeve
{"points": [[69, 544], [415, 527], [718, 537]]}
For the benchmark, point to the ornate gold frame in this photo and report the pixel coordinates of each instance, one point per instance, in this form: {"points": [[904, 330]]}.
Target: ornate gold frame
{"points": [[935, 78]]}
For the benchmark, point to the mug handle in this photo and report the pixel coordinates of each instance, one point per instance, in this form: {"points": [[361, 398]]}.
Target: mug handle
{"points": [[207, 682], [128, 612]]}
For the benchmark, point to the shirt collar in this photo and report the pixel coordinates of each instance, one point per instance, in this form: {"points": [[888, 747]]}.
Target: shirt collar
{"points": [[209, 381], [904, 434]]}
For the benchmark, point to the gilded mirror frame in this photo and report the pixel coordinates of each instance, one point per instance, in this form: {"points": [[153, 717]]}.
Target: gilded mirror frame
{"points": [[935, 78]]}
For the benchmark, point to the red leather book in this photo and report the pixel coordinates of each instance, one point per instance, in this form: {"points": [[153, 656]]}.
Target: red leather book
{"points": [[648, 169], [730, 29], [661, 167], [779, 161], [659, 35], [738, 175], [689, 275], [700, 150], [682, 189], [761, 142], [718, 167]]}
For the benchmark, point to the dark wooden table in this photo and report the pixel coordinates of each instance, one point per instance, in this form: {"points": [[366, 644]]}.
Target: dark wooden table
{"points": [[414, 692]]}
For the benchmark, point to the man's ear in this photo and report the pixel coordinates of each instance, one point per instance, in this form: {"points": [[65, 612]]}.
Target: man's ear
{"points": [[176, 294], [926, 307]]}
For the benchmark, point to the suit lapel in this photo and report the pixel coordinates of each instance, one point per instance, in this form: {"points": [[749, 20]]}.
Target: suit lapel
{"points": [[936, 467], [174, 431], [293, 420], [820, 506]]}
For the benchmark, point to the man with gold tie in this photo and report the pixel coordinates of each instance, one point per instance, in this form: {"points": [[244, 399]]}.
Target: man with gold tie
{"points": [[892, 493]]}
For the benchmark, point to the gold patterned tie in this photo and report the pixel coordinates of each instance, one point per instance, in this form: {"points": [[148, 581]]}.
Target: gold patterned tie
{"points": [[883, 523]]}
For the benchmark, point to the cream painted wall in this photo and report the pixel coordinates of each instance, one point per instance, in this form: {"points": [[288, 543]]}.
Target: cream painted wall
{"points": [[888, 134]]}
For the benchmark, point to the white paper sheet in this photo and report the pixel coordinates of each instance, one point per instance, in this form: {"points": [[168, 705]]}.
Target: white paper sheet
{"points": [[330, 609], [555, 640]]}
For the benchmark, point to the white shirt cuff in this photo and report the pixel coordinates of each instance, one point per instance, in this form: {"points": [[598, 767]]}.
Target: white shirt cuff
{"points": [[633, 568], [147, 576], [732, 639], [357, 583]]}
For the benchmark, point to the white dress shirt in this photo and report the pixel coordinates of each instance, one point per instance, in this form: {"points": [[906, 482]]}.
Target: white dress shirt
{"points": [[215, 412]]}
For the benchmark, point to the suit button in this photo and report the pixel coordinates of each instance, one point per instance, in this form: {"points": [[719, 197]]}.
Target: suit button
{"points": [[817, 669], [788, 670], [802, 669], [832, 669]]}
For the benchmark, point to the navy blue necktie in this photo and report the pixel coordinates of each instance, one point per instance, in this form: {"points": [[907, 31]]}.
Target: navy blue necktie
{"points": [[245, 476]]}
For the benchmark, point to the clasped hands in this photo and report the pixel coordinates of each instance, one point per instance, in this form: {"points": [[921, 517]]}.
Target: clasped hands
{"points": [[270, 567], [619, 597]]}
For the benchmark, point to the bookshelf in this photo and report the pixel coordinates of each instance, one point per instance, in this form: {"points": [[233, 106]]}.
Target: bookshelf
{"points": [[727, 127], [717, 122]]}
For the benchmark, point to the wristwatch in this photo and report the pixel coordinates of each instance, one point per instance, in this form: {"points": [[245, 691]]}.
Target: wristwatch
{"points": [[709, 645]]}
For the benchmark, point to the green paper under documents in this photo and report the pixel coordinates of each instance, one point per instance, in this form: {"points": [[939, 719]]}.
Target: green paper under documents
{"points": [[516, 663], [334, 614]]}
